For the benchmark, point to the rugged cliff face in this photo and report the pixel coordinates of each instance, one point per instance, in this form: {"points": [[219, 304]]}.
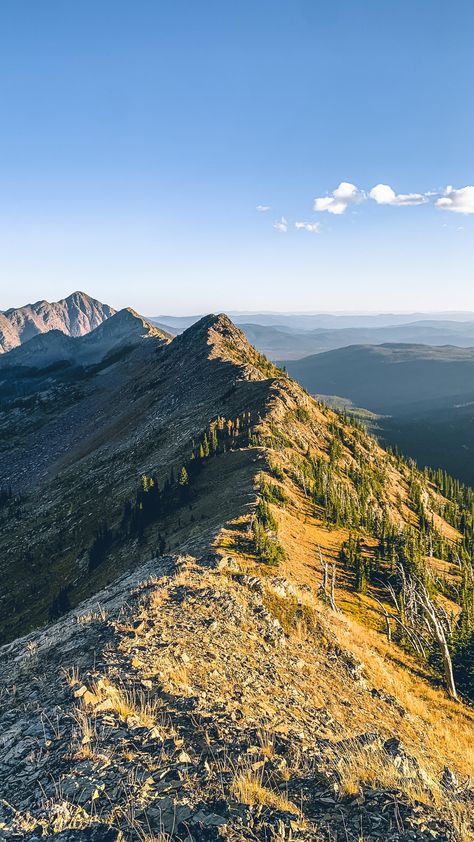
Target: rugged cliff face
{"points": [[213, 550], [75, 315]]}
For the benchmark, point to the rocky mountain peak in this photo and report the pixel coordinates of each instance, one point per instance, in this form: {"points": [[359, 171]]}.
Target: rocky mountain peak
{"points": [[75, 315], [219, 324], [217, 337], [126, 328]]}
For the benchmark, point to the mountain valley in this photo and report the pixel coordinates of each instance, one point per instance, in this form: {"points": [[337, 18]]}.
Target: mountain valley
{"points": [[422, 396]]}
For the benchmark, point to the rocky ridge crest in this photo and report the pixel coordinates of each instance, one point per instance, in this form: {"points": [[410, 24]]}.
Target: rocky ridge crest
{"points": [[176, 705]]}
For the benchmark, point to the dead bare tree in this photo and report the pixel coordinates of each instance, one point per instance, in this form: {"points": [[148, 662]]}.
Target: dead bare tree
{"points": [[332, 594], [423, 622], [436, 620], [409, 632], [328, 590], [324, 570], [303, 483], [387, 617]]}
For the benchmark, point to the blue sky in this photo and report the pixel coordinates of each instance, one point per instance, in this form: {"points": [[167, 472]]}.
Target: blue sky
{"points": [[137, 140]]}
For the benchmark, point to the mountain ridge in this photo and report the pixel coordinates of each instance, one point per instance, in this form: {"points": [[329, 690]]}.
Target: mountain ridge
{"points": [[183, 510], [75, 315], [124, 327]]}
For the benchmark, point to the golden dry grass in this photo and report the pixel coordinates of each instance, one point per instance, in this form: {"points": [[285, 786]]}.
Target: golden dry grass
{"points": [[247, 787], [127, 703], [361, 765], [175, 676], [434, 729], [369, 766], [461, 820], [83, 736], [266, 742], [435, 724]]}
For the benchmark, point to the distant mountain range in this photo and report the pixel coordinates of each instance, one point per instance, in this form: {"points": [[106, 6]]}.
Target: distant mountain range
{"points": [[277, 335], [289, 340], [312, 321], [390, 378], [75, 315]]}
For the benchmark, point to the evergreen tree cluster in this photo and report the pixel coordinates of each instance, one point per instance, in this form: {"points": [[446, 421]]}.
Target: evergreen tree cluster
{"points": [[352, 498], [462, 643], [362, 566], [265, 534], [273, 493], [457, 509]]}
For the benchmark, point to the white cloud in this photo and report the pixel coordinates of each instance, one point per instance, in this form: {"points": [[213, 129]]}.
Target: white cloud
{"points": [[458, 201], [338, 201], [384, 195], [281, 225], [314, 227]]}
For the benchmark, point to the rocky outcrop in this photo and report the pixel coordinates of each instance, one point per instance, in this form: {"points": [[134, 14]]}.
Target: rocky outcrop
{"points": [[174, 705]]}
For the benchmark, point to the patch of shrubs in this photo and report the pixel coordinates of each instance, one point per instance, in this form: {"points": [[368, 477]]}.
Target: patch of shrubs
{"points": [[267, 545], [276, 471], [265, 517], [272, 493]]}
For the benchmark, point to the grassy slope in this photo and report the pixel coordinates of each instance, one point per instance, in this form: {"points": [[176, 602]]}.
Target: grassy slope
{"points": [[303, 532]]}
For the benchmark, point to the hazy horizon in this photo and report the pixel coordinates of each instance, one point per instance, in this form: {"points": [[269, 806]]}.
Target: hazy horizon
{"points": [[183, 313]]}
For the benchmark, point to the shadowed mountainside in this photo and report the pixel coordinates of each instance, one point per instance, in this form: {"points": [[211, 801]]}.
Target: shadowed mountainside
{"points": [[390, 378], [427, 392]]}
